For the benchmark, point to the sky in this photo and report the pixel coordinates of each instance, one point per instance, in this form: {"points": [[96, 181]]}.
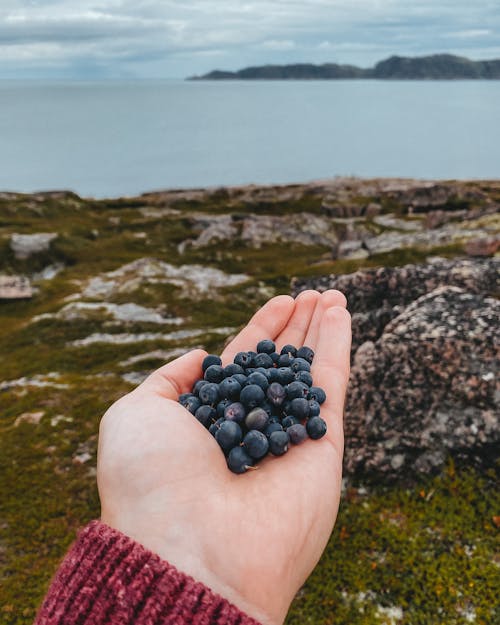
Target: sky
{"points": [[141, 39]]}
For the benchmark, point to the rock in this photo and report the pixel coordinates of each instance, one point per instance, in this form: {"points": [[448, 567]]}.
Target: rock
{"points": [[426, 388], [192, 279], [375, 296], [486, 246], [125, 338], [352, 249], [425, 357], [15, 287], [126, 313], [25, 245], [33, 418], [48, 273]]}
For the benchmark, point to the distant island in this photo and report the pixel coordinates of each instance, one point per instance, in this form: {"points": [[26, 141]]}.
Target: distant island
{"points": [[433, 67]]}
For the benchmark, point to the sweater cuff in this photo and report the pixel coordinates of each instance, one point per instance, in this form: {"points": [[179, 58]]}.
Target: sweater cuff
{"points": [[108, 578]]}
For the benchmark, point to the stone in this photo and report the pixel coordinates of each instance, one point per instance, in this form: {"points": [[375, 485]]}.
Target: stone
{"points": [[33, 418], [424, 389], [424, 383], [15, 287], [484, 246], [25, 245]]}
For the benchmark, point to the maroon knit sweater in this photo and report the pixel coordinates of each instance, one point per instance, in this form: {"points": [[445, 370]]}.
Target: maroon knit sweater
{"points": [[108, 578]]}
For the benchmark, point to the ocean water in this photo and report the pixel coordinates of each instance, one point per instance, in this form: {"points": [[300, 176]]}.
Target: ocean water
{"points": [[113, 139]]}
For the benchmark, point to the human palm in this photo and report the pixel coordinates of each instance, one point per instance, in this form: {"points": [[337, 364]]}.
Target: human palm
{"points": [[163, 480]]}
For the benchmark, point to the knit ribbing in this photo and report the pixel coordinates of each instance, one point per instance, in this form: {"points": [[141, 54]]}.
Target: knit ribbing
{"points": [[107, 578]]}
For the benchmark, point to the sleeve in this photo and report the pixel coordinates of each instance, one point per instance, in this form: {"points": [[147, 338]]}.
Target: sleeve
{"points": [[106, 578]]}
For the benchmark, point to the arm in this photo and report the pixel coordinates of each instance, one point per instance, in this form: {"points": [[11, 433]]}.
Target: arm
{"points": [[165, 489]]}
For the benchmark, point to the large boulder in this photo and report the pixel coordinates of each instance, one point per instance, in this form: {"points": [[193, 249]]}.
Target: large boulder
{"points": [[25, 245], [425, 356], [427, 388]]}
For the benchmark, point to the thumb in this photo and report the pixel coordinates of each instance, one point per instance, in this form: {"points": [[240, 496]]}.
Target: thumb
{"points": [[177, 376]]}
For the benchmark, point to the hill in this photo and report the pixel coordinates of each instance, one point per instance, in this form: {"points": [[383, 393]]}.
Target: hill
{"points": [[433, 67]]}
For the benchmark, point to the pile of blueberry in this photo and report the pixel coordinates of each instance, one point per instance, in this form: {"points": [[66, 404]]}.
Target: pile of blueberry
{"points": [[259, 403]]}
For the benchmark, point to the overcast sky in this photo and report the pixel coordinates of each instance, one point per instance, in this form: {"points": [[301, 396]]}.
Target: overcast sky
{"points": [[178, 38]]}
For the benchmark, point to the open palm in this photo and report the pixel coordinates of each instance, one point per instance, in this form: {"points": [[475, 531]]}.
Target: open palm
{"points": [[163, 480]]}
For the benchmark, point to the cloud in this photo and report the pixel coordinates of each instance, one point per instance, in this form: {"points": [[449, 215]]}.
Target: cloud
{"points": [[179, 37]]}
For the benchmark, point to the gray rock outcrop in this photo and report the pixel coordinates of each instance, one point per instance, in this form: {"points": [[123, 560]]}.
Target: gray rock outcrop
{"points": [[15, 287], [424, 381], [25, 245]]}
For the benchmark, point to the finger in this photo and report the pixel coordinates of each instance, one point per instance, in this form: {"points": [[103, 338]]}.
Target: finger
{"points": [[330, 369], [327, 300], [296, 329], [267, 323], [177, 376]]}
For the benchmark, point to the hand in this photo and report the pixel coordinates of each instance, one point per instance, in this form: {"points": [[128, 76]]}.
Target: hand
{"points": [[163, 480]]}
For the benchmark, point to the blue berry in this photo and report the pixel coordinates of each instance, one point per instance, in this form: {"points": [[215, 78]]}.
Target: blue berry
{"points": [[238, 460], [191, 403], [205, 415], [305, 352], [299, 408], [273, 427], [285, 375], [209, 360], [317, 393], [266, 346], [256, 444], [228, 435], [263, 360], [244, 359], [278, 443], [297, 433], [230, 388], [221, 407], [209, 393], [305, 377], [276, 394], [285, 360], [316, 427], [258, 378], [289, 349], [288, 421], [299, 364], [314, 408], [215, 426], [296, 389], [235, 412], [251, 396], [256, 419], [214, 373], [233, 369]]}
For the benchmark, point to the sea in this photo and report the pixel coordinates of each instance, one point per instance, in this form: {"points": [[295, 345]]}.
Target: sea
{"points": [[112, 139]]}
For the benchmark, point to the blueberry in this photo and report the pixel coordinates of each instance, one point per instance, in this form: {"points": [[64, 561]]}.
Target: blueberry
{"points": [[197, 386], [241, 378], [285, 375], [314, 408], [214, 373], [266, 346], [263, 360], [317, 393], [235, 412], [300, 408], [297, 433], [221, 407], [191, 403], [209, 360], [275, 358], [300, 364], [278, 443], [272, 375], [215, 426], [256, 444], [184, 396], [244, 359], [291, 350], [276, 394], [296, 389], [238, 460], [258, 378], [273, 427], [305, 377], [251, 396], [256, 419], [228, 435], [316, 427], [206, 415], [306, 353], [230, 388], [268, 407], [232, 369], [288, 421], [285, 360], [209, 393]]}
